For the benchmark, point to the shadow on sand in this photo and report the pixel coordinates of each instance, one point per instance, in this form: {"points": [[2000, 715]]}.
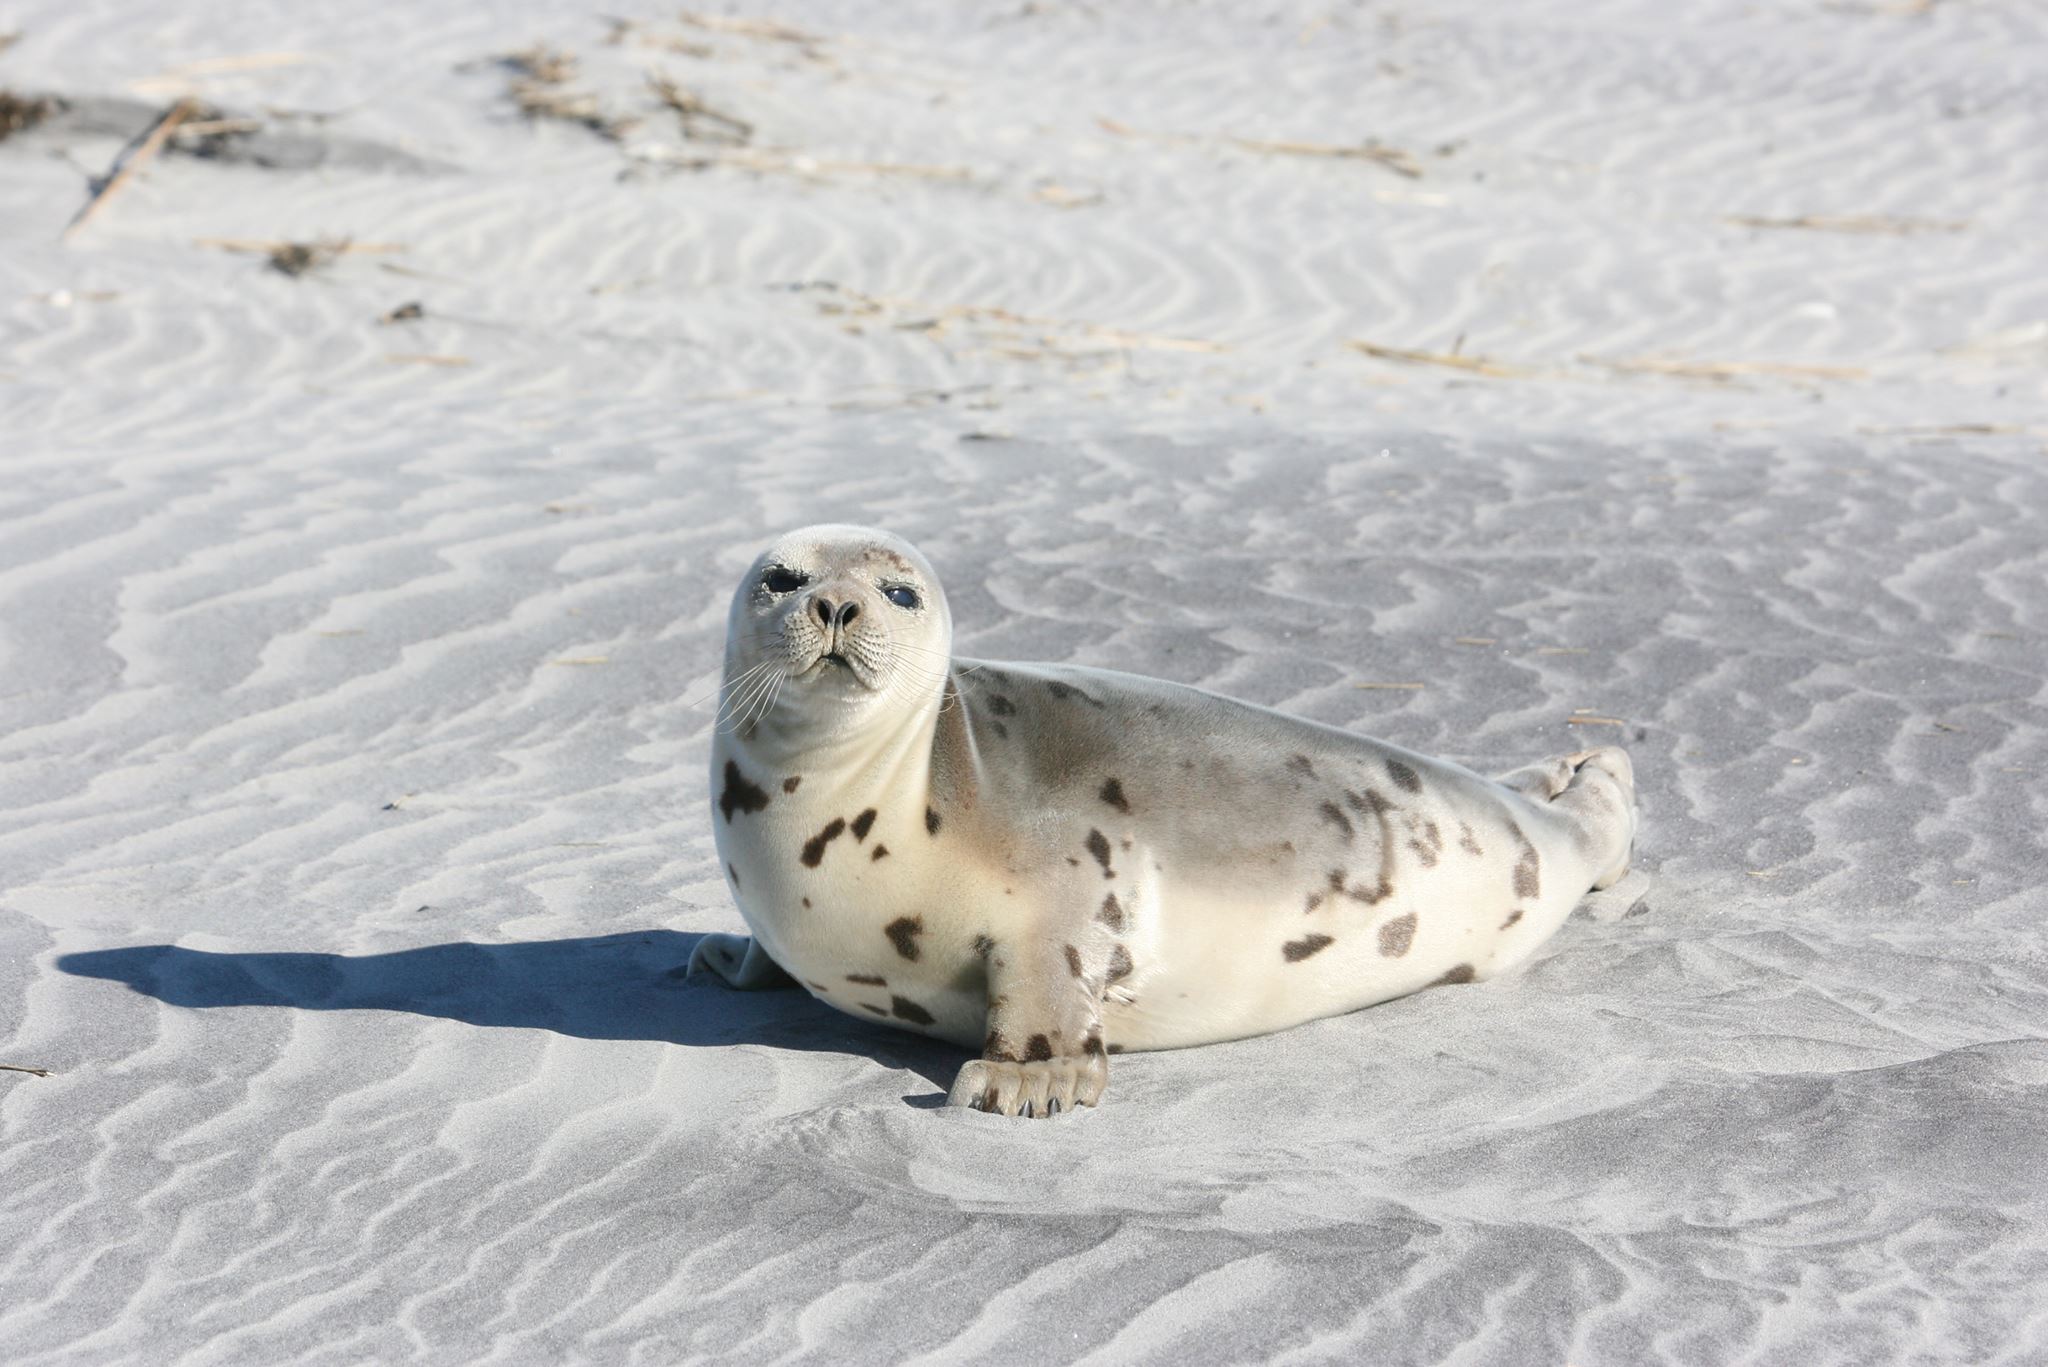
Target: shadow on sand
{"points": [[623, 987]]}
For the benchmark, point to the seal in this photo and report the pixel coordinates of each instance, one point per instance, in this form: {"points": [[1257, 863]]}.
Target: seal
{"points": [[1051, 863]]}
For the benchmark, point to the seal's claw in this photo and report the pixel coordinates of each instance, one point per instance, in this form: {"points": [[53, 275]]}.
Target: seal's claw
{"points": [[1037, 1090]]}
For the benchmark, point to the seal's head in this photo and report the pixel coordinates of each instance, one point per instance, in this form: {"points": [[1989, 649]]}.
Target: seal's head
{"points": [[830, 622]]}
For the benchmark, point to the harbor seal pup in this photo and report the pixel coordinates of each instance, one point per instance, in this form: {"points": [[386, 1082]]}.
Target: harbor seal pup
{"points": [[1052, 864]]}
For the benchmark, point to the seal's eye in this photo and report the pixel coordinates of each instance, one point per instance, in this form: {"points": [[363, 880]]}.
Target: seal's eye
{"points": [[782, 579], [902, 595]]}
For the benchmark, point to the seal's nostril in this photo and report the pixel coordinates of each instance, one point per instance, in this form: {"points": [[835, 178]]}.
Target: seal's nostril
{"points": [[823, 607], [848, 613]]}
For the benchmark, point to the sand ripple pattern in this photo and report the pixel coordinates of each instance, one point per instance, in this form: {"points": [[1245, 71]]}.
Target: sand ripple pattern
{"points": [[352, 828]]}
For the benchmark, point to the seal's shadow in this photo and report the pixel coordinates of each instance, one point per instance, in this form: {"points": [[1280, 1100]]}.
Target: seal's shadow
{"points": [[622, 987]]}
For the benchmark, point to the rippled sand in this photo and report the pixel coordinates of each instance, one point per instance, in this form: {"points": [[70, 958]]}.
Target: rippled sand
{"points": [[353, 831]]}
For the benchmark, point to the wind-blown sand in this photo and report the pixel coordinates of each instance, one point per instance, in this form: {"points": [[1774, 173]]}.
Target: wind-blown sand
{"points": [[353, 830]]}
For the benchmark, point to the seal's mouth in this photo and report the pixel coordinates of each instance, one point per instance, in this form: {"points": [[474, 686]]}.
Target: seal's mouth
{"points": [[835, 664]]}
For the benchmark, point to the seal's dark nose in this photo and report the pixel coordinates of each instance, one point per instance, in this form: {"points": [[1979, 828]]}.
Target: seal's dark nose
{"points": [[830, 612]]}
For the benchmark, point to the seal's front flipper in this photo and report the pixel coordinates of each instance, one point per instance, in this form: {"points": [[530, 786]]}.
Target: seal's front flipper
{"points": [[1042, 1088], [740, 961], [1044, 1052]]}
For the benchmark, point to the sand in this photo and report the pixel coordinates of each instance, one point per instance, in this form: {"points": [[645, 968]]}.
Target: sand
{"points": [[353, 827]]}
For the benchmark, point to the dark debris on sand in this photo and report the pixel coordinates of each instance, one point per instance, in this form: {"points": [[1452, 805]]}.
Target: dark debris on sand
{"points": [[19, 113]]}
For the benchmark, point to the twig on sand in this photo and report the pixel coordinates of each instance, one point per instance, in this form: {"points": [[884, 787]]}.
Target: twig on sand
{"points": [[1879, 224], [223, 127], [131, 161], [1477, 365], [934, 319], [548, 65], [1594, 721], [750, 28], [779, 161], [540, 72], [426, 358], [1393, 158], [298, 258], [540, 100], [18, 1068], [1372, 150], [1731, 370], [699, 120], [1952, 429]]}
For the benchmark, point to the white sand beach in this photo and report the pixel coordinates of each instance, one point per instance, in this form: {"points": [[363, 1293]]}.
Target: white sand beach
{"points": [[1616, 372]]}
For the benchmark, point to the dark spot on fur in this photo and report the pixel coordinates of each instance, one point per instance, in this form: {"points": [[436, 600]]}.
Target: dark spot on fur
{"points": [[1469, 842], [1037, 1049], [1092, 1046], [1112, 914], [1120, 965], [862, 824], [1461, 974], [1099, 847], [1302, 765], [907, 1010], [1073, 961], [1066, 691], [1113, 1048], [1371, 896], [1002, 731], [1294, 951], [982, 945], [1001, 705], [814, 848], [997, 1048], [866, 1006], [868, 979], [818, 986], [789, 784], [1397, 935], [903, 933], [735, 874], [1424, 854], [1404, 776], [1371, 801], [1335, 814], [739, 793], [1513, 917], [1528, 879], [1315, 899], [931, 820], [1113, 794], [807, 903]]}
